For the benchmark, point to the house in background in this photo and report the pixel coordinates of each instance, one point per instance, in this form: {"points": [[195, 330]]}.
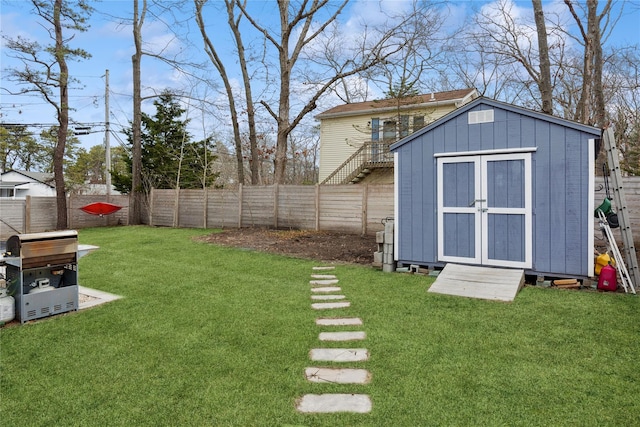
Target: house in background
{"points": [[19, 184], [355, 138]]}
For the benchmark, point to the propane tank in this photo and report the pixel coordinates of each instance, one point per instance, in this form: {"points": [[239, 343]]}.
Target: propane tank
{"points": [[7, 306], [607, 280]]}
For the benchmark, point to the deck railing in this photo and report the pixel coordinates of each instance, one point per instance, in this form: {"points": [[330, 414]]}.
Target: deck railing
{"points": [[371, 155]]}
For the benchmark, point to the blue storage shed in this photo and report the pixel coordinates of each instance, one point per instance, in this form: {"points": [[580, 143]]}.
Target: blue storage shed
{"points": [[494, 184]]}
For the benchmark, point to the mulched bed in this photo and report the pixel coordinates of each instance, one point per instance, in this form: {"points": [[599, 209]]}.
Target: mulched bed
{"points": [[318, 245]]}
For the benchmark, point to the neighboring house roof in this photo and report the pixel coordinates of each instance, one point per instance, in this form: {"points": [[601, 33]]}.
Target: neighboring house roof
{"points": [[41, 177], [502, 105], [459, 96]]}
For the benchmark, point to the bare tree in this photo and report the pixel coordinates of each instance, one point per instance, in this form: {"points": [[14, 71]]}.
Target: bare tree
{"points": [[300, 25], [543, 52], [135, 212], [45, 71], [592, 94], [210, 49]]}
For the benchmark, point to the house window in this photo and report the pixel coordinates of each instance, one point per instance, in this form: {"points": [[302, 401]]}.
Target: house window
{"points": [[389, 131], [418, 122], [375, 130], [6, 192], [404, 126]]}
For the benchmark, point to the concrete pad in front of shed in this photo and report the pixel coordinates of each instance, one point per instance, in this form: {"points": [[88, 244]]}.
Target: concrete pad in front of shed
{"points": [[329, 305], [337, 375], [500, 284], [323, 282], [342, 336], [339, 354], [328, 403], [327, 297], [326, 267], [323, 276], [340, 321], [327, 289]]}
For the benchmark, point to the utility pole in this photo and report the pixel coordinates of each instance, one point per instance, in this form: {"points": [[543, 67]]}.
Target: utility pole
{"points": [[107, 130]]}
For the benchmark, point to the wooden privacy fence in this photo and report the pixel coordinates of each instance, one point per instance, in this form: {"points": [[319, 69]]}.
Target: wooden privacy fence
{"points": [[348, 208], [38, 214], [356, 208]]}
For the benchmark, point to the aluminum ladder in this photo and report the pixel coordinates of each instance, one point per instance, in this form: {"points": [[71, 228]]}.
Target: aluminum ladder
{"points": [[620, 201]]}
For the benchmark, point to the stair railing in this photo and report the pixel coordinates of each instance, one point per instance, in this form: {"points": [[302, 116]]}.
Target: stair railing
{"points": [[371, 154]]}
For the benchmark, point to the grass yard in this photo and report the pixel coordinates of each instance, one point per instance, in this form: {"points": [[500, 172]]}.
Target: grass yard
{"points": [[213, 336]]}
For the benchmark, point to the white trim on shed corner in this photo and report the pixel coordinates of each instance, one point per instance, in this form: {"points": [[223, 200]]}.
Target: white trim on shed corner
{"points": [[592, 207], [396, 218]]}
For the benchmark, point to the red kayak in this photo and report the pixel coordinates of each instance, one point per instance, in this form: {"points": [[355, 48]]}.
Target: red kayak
{"points": [[100, 208]]}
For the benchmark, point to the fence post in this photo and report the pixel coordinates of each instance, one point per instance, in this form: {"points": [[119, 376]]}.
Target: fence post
{"points": [[27, 215], [69, 201], [317, 207], [239, 205], [365, 194], [150, 206], [276, 190], [205, 214]]}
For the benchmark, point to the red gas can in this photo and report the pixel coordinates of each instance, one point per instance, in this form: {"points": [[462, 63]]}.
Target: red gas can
{"points": [[607, 280]]}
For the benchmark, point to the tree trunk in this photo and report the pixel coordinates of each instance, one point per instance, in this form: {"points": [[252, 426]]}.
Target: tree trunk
{"points": [[544, 82], [135, 210], [217, 63], [63, 120]]}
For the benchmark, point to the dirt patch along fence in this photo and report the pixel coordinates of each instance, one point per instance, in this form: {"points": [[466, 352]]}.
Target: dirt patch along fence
{"points": [[357, 209]]}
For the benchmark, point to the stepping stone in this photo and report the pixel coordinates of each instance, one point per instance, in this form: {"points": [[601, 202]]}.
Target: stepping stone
{"points": [[323, 276], [327, 297], [337, 375], [327, 289], [323, 282], [339, 354], [342, 336], [344, 321], [324, 268], [326, 403], [328, 305]]}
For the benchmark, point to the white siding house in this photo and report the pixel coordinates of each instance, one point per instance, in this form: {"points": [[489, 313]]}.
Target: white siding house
{"points": [[19, 184], [348, 129]]}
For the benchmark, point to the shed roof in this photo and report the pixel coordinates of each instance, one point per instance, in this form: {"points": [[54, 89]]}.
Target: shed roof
{"points": [[504, 106], [430, 99]]}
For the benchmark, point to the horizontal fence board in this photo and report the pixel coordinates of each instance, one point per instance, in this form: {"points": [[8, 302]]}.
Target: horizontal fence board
{"points": [[11, 218], [43, 213], [297, 206], [222, 208], [191, 209]]}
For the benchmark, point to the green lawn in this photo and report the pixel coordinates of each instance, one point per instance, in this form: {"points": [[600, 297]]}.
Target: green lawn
{"points": [[212, 336]]}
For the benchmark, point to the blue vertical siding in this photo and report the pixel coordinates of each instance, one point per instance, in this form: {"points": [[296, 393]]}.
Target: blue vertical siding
{"points": [[560, 187]]}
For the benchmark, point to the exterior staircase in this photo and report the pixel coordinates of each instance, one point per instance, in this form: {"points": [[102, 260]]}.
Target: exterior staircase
{"points": [[371, 156]]}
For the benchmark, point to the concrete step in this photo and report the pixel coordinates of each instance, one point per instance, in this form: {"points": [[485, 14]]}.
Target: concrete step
{"points": [[329, 403], [340, 321], [342, 336], [337, 375], [329, 305], [339, 354]]}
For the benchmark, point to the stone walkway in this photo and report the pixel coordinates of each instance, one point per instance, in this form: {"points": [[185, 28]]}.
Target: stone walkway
{"points": [[323, 289]]}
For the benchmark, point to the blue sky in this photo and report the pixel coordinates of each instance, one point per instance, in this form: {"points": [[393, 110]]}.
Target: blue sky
{"points": [[111, 44]]}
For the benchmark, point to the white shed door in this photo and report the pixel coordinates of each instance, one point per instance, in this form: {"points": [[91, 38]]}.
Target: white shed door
{"points": [[484, 210]]}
